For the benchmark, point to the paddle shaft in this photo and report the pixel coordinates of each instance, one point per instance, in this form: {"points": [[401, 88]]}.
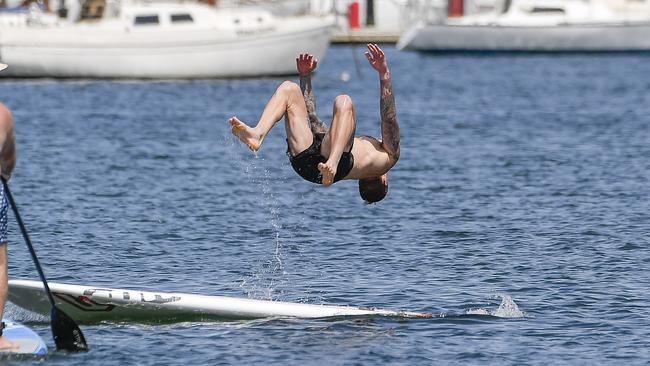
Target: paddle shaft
{"points": [[23, 230]]}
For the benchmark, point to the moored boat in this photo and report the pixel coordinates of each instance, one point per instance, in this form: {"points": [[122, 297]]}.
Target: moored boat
{"points": [[160, 40], [535, 26]]}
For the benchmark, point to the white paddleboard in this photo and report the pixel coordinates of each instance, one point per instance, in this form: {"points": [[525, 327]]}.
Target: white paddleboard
{"points": [[94, 304], [28, 342]]}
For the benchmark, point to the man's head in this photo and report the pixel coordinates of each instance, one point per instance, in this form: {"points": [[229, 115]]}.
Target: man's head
{"points": [[373, 189]]}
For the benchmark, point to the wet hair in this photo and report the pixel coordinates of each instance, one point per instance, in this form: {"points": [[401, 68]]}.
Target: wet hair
{"points": [[372, 189]]}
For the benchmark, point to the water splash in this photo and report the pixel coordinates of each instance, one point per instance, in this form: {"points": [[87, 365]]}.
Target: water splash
{"points": [[507, 309], [23, 315], [269, 274]]}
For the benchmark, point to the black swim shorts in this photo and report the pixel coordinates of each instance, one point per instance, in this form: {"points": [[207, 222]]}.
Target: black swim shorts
{"points": [[306, 162]]}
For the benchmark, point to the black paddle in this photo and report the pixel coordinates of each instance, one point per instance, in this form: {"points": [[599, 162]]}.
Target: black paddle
{"points": [[65, 331]]}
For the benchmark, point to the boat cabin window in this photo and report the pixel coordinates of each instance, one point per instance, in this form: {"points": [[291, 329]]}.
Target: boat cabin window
{"points": [[547, 10], [146, 19], [181, 18]]}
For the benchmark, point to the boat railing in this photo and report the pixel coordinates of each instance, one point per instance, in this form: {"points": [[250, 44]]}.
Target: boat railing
{"points": [[427, 11], [37, 15]]}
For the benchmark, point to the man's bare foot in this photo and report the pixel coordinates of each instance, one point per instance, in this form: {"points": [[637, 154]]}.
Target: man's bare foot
{"points": [[7, 345], [328, 173], [245, 133]]}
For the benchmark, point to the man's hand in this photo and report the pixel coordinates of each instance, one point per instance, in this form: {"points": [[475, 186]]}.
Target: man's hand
{"points": [[306, 64], [377, 59]]}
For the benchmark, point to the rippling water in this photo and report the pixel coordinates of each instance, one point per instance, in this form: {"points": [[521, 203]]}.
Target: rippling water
{"points": [[518, 213]]}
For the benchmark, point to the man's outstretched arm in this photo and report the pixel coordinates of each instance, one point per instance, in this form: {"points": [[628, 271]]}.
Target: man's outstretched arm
{"points": [[306, 64], [389, 125]]}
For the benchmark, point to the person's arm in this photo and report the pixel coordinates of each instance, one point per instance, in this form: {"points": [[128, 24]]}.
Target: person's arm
{"points": [[306, 64], [7, 143], [389, 125]]}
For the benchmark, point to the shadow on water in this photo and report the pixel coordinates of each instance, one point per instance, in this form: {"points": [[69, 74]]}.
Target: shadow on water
{"points": [[507, 309], [333, 321]]}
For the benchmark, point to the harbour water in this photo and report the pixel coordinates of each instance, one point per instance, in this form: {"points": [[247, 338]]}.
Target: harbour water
{"points": [[518, 213]]}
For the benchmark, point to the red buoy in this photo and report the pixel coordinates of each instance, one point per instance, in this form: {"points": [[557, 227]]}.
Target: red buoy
{"points": [[455, 8], [353, 15]]}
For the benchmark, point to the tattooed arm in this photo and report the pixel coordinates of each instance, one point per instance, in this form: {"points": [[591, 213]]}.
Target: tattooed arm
{"points": [[306, 64], [389, 125]]}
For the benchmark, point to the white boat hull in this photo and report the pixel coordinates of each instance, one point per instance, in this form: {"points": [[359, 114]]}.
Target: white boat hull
{"points": [[556, 38], [85, 52], [95, 304]]}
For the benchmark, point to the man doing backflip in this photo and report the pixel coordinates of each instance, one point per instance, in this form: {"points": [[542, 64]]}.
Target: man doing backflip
{"points": [[325, 156]]}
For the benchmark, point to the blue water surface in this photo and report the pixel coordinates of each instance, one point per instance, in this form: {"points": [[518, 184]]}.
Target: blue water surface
{"points": [[518, 213]]}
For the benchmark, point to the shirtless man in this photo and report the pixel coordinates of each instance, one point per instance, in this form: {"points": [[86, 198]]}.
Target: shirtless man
{"points": [[7, 163], [325, 156]]}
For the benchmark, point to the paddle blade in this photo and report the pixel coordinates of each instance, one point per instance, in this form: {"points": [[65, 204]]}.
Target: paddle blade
{"points": [[67, 334]]}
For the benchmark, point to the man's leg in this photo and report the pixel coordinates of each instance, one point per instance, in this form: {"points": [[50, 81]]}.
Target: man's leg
{"points": [[5, 344], [339, 138], [286, 101]]}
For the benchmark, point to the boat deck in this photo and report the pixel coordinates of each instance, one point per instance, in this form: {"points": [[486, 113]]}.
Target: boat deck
{"points": [[365, 35]]}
